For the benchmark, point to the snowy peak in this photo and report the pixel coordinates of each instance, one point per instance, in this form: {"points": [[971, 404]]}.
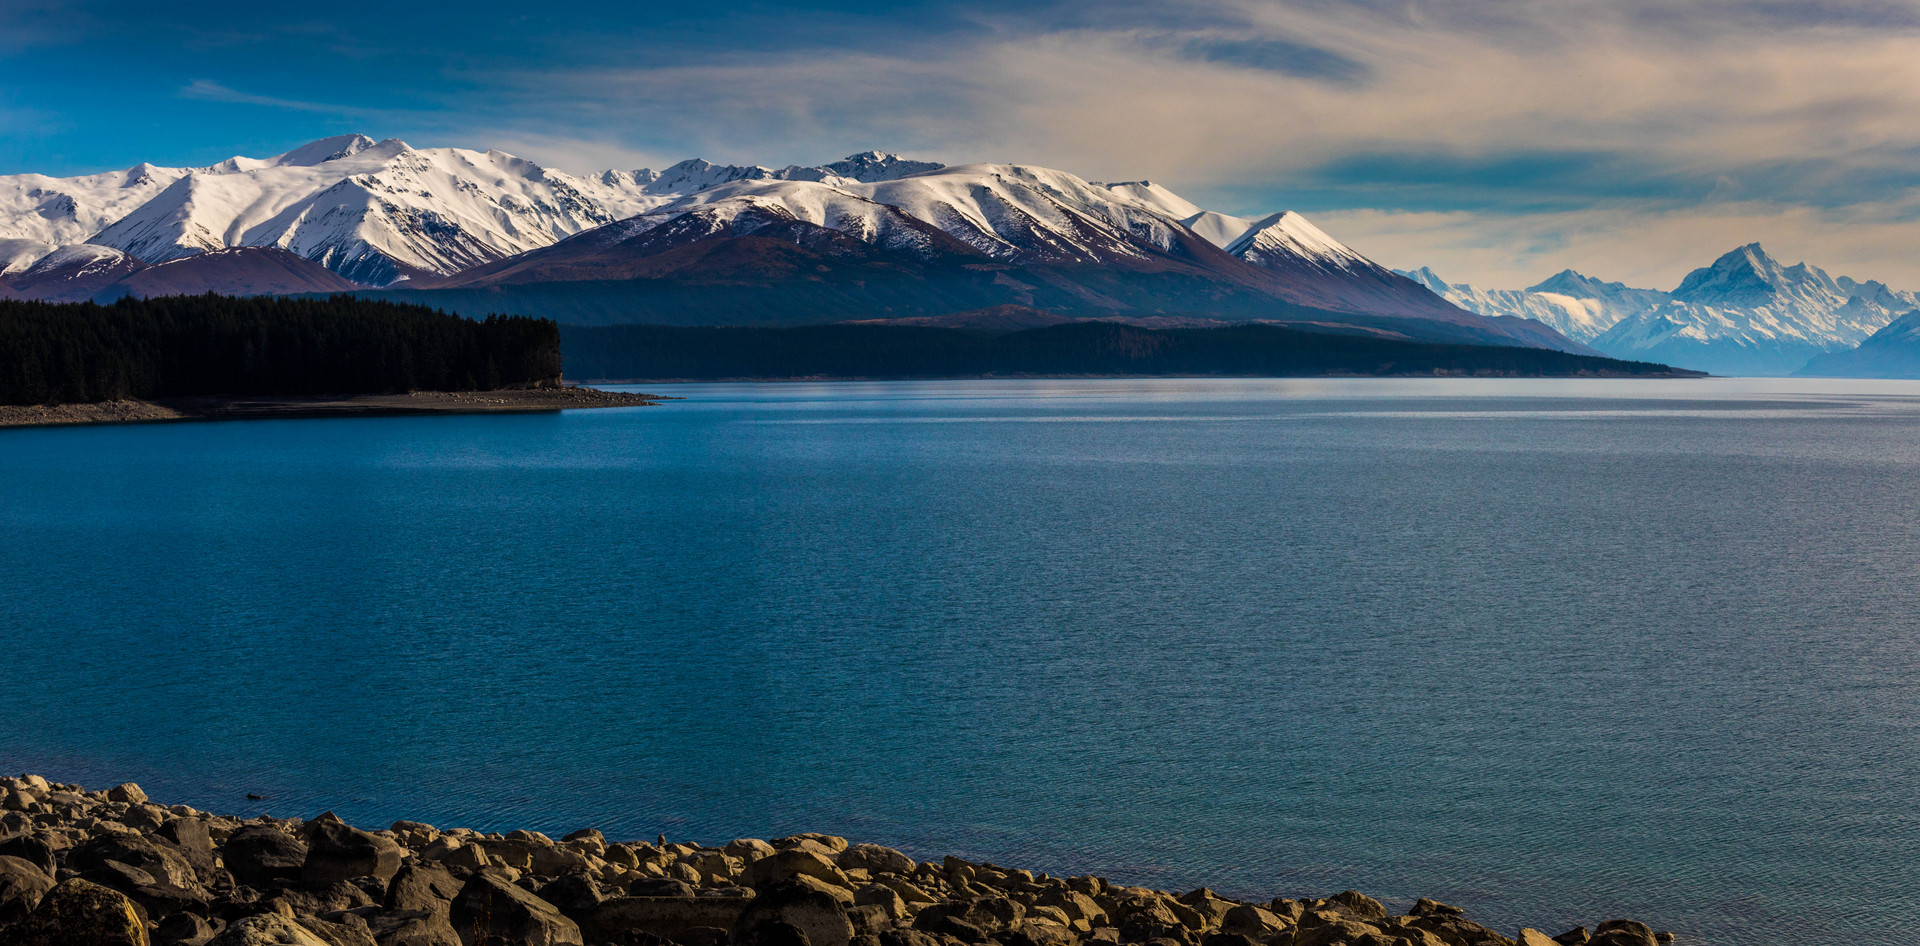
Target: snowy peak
{"points": [[1744, 277], [869, 167], [330, 149], [1289, 234]]}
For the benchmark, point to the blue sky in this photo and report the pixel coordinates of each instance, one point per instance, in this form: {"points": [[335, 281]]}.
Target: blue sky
{"points": [[1496, 140]]}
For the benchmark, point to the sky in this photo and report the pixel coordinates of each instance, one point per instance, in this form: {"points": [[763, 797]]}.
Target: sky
{"points": [[1497, 141]]}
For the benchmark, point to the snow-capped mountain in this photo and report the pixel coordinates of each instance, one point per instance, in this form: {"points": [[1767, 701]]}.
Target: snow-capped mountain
{"points": [[373, 211], [1745, 314], [1748, 314], [1892, 352], [1579, 307], [382, 212]]}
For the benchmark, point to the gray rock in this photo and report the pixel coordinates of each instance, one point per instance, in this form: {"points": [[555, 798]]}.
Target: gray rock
{"points": [[875, 859], [22, 884], [788, 864], [817, 916], [33, 850], [413, 928], [185, 929], [263, 856], [267, 929], [666, 917], [490, 907], [1623, 933], [421, 887], [338, 852], [78, 913], [165, 863]]}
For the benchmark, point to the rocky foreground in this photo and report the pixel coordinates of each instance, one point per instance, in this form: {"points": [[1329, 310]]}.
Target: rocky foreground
{"points": [[111, 868]]}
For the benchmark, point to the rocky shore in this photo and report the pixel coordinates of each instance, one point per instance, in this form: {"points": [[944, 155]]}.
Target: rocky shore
{"points": [[507, 401], [114, 868]]}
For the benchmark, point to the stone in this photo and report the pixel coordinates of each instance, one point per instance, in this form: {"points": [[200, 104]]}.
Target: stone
{"points": [[575, 895], [1532, 937], [188, 834], [78, 913], [488, 906], [412, 928], [748, 850], [1429, 907], [354, 933], [1228, 939], [788, 864], [264, 856], [874, 858], [1355, 903], [1336, 933], [869, 919], [267, 929], [35, 851], [1036, 932], [1623, 933], [128, 793], [1577, 936], [909, 891], [817, 916], [881, 895], [840, 895], [338, 852], [1251, 921], [421, 887], [22, 884], [185, 929], [160, 859], [665, 917]]}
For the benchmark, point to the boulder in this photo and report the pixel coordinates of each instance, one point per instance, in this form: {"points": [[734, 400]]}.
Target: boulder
{"points": [[665, 917], [748, 850], [338, 852], [33, 850], [267, 929], [127, 793], [412, 928], [78, 913], [883, 896], [1577, 936], [1623, 933], [788, 864], [263, 856], [1357, 904], [818, 917], [1531, 937], [875, 859], [421, 887], [987, 914], [490, 907], [22, 884], [351, 930], [1336, 933], [1251, 921], [164, 863], [185, 929]]}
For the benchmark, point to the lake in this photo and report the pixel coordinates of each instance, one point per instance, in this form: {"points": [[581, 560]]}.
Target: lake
{"points": [[1554, 651]]}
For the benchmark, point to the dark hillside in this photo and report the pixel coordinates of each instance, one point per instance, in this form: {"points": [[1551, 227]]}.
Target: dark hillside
{"points": [[180, 346]]}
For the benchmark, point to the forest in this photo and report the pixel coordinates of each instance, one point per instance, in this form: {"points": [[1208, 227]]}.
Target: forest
{"points": [[658, 352], [182, 346]]}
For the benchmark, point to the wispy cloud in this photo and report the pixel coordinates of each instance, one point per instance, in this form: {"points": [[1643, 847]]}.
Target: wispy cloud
{"points": [[211, 91]]}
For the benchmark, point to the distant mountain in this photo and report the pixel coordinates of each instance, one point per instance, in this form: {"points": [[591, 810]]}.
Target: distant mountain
{"points": [[70, 274], [1580, 307], [1747, 314], [1892, 352], [243, 271]]}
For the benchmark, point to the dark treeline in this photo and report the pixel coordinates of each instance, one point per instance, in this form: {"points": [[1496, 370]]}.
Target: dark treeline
{"points": [[179, 346], [656, 352]]}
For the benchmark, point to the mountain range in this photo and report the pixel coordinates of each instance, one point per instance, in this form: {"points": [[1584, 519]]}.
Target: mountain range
{"points": [[1745, 314], [871, 237]]}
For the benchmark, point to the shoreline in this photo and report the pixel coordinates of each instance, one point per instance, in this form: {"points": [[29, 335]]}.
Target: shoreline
{"points": [[114, 868], [1677, 374], [169, 410]]}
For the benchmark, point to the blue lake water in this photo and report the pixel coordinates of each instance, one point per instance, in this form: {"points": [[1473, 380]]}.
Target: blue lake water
{"points": [[1553, 651]]}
